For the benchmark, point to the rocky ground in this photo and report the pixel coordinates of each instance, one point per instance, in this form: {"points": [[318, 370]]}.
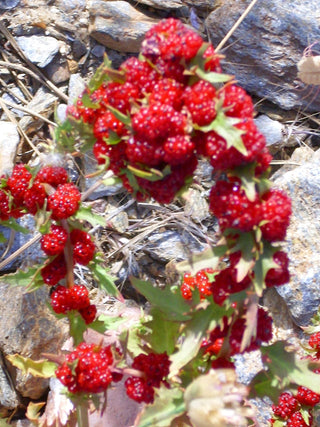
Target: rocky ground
{"points": [[49, 49]]}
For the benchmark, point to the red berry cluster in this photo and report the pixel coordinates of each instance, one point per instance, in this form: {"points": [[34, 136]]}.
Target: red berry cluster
{"points": [[149, 117], [76, 298], [87, 369], [154, 368], [53, 243], [289, 407], [200, 281]]}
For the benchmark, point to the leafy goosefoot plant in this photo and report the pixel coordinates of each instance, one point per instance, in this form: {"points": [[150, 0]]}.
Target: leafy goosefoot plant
{"points": [[149, 122]]}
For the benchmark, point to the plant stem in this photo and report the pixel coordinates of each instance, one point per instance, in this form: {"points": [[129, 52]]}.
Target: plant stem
{"points": [[82, 415], [68, 255]]}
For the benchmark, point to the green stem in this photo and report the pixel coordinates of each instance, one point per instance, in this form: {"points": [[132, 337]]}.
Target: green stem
{"points": [[82, 415]]}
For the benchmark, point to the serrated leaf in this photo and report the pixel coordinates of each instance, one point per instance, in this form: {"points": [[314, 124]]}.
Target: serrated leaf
{"points": [[262, 265], [85, 214], [77, 326], [13, 224], [224, 126], [30, 278], [209, 258], [251, 322], [167, 406], [163, 332], [105, 280], [193, 334], [212, 77], [172, 304], [286, 367], [40, 368], [101, 75]]}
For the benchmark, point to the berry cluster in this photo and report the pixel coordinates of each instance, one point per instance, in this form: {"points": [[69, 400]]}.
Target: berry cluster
{"points": [[53, 244], [289, 407], [76, 298], [200, 281], [87, 369], [154, 368]]}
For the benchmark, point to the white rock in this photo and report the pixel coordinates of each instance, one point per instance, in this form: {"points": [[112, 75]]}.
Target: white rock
{"points": [[9, 140], [273, 130], [76, 87], [40, 50]]}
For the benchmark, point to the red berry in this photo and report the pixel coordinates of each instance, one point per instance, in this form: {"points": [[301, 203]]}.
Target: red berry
{"points": [[60, 299], [279, 275], [53, 175], [307, 397], [140, 74], [144, 152], [64, 202], [296, 420], [4, 206], [89, 313], [107, 123], [314, 341], [229, 203], [200, 101], [236, 102], [287, 406], [34, 198], [79, 297], [212, 60], [54, 242], [121, 96], [55, 271], [222, 363], [178, 149], [18, 183], [83, 246], [138, 390], [276, 210], [167, 91], [90, 369], [100, 151]]}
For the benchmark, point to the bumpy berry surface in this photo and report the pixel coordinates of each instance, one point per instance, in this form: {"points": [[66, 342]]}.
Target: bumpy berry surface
{"points": [[64, 202], [139, 390], [314, 341], [167, 91], [4, 206], [88, 313], [54, 242], [199, 281], [287, 406], [140, 74], [83, 246], [100, 151], [34, 198], [280, 275], [296, 420], [305, 396], [53, 175], [55, 271], [229, 203], [212, 60], [90, 369], [200, 102], [107, 123], [276, 209], [236, 102], [18, 182]]}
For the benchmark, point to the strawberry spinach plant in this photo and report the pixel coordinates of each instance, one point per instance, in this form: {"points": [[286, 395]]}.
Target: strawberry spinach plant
{"points": [[149, 122]]}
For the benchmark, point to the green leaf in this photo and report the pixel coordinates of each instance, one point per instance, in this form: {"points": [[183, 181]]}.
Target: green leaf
{"points": [[193, 334], [105, 73], [87, 102], [209, 258], [77, 326], [287, 367], [172, 304], [113, 138], [85, 214], [123, 118], [163, 332], [106, 323], [2, 238], [40, 368], [262, 265], [224, 126], [247, 246], [212, 77], [30, 278], [248, 180], [105, 280], [167, 406], [251, 322], [34, 411], [12, 223], [152, 174]]}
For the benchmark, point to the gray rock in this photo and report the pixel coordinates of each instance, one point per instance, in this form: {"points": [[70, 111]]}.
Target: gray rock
{"points": [[264, 50], [98, 51], [302, 294], [9, 399], [8, 4], [165, 4], [78, 49], [271, 129], [40, 50], [27, 327], [58, 71], [10, 97], [70, 5], [118, 25], [9, 140], [76, 86]]}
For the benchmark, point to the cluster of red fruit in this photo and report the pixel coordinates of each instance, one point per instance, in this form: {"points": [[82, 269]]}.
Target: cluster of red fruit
{"points": [[88, 369], [153, 118], [289, 406], [154, 368]]}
